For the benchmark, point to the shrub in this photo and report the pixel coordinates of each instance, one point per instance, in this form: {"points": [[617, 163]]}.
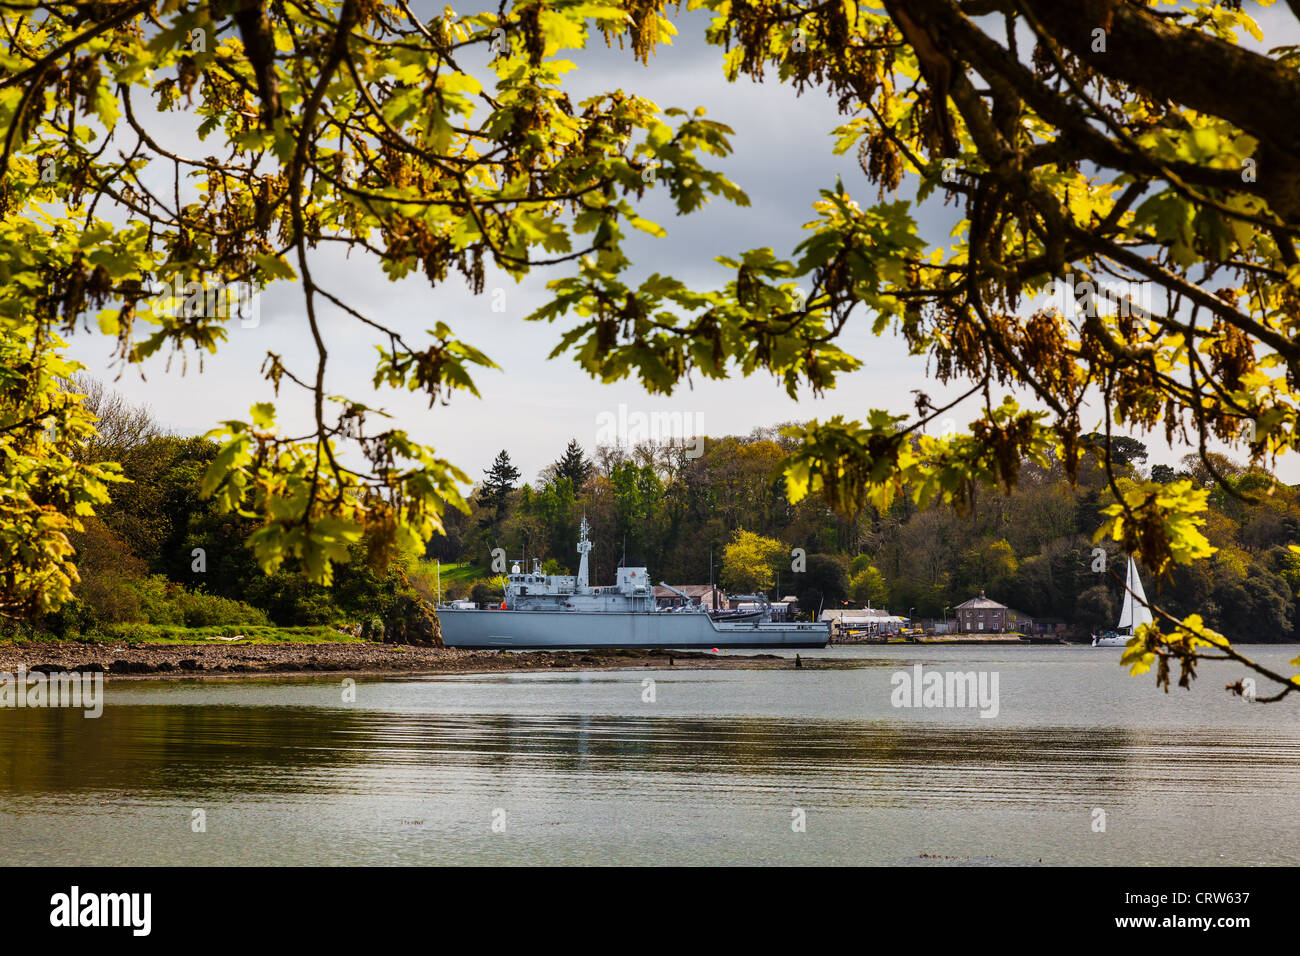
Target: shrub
{"points": [[197, 609], [72, 619], [408, 621]]}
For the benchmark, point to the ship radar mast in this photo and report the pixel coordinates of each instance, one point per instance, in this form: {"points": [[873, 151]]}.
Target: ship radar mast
{"points": [[584, 547]]}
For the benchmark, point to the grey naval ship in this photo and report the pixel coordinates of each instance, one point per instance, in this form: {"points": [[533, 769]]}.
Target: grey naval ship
{"points": [[562, 611]]}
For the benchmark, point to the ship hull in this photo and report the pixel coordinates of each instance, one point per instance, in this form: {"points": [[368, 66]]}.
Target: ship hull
{"points": [[534, 630]]}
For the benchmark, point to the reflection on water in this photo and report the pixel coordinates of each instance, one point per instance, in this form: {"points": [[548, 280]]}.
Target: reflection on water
{"points": [[582, 769]]}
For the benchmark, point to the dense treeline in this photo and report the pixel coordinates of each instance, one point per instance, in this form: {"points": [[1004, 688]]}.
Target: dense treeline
{"points": [[715, 509], [162, 555]]}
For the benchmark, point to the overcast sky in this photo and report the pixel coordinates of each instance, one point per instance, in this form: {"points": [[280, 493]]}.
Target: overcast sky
{"points": [[532, 406]]}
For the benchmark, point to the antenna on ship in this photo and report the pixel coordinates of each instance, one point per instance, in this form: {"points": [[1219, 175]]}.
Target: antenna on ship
{"points": [[713, 592], [584, 548]]}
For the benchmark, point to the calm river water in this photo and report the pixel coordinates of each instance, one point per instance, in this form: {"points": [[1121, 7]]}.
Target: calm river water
{"points": [[782, 766]]}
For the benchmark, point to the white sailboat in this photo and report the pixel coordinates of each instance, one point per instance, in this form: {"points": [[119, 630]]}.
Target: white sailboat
{"points": [[1134, 614]]}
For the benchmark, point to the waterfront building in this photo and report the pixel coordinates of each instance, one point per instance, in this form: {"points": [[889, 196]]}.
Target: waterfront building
{"points": [[983, 614]]}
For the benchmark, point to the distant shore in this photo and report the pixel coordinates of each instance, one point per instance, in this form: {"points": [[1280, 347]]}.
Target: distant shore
{"points": [[136, 661], [1007, 638]]}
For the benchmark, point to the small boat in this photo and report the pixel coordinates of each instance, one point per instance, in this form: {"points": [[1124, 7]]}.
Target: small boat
{"points": [[1134, 614]]}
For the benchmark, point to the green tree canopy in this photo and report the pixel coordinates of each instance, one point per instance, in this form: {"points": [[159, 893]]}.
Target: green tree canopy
{"points": [[574, 465], [822, 585], [498, 483], [869, 587], [749, 563]]}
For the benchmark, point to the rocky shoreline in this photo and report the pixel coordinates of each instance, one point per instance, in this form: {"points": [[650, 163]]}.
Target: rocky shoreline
{"points": [[181, 661]]}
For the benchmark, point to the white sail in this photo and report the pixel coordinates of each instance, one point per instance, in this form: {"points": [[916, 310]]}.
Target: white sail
{"points": [[1141, 613], [1135, 612], [1126, 610]]}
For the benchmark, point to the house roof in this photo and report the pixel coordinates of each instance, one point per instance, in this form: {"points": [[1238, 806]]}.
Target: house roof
{"points": [[979, 602]]}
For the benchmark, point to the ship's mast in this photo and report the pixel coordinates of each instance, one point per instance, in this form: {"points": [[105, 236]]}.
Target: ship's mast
{"points": [[584, 546]]}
